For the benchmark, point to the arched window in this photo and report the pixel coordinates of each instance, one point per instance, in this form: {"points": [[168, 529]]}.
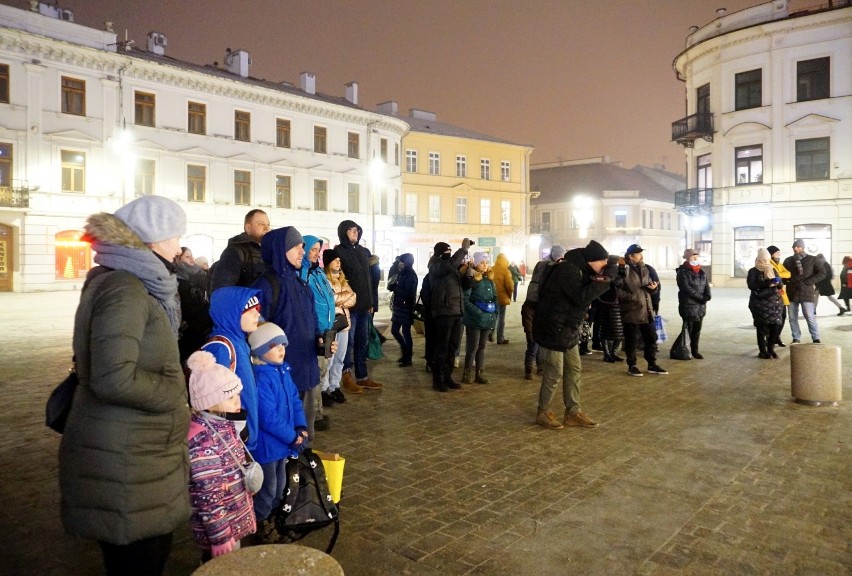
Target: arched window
{"points": [[73, 256]]}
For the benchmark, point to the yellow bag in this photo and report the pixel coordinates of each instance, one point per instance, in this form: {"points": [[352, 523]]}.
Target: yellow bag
{"points": [[333, 464]]}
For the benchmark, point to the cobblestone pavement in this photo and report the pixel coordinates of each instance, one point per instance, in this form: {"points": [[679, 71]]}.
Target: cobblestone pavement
{"points": [[708, 470]]}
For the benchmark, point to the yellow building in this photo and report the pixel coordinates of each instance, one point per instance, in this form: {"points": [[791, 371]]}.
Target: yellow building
{"points": [[457, 183]]}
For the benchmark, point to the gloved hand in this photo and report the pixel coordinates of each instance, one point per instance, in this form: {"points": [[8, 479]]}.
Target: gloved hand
{"points": [[219, 549], [467, 243]]}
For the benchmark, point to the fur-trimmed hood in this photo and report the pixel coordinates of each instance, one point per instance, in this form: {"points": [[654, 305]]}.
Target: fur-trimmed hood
{"points": [[107, 228]]}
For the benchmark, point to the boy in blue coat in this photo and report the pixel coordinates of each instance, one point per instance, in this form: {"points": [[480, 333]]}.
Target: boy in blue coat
{"points": [[282, 431]]}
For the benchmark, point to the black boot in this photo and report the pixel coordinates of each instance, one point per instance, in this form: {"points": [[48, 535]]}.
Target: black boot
{"points": [[438, 380], [761, 344], [528, 370], [606, 346], [614, 346], [694, 346]]}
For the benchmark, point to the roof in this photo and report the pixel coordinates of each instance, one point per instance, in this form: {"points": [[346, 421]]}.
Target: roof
{"points": [[561, 183], [443, 129]]}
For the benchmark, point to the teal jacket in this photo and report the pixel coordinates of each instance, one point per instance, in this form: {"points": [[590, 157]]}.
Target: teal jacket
{"points": [[479, 292]]}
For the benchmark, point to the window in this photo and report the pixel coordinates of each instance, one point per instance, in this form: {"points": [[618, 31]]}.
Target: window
{"points": [[748, 89], [320, 135], [321, 194], [242, 187], [396, 154], [411, 204], [704, 172], [383, 201], [242, 126], [505, 171], [410, 160], [461, 166], [73, 255], [747, 240], [434, 208], [282, 133], [4, 83], [485, 211], [702, 99], [644, 218], [817, 237], [144, 107], [545, 221], [354, 145], [668, 220], [73, 96], [461, 210], [749, 164], [283, 198], [73, 171], [506, 212], [650, 219], [812, 159], [434, 163], [383, 149], [813, 79], [196, 118], [196, 183], [143, 177], [485, 169], [621, 218], [354, 197]]}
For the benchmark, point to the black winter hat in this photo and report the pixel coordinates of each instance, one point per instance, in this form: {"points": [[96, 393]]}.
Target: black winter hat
{"points": [[441, 247], [594, 252]]}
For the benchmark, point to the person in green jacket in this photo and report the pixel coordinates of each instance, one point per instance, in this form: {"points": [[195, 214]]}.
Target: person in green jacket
{"points": [[479, 316]]}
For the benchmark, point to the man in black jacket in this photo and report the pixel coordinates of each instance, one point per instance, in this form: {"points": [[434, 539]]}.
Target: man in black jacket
{"points": [[565, 293], [355, 263], [806, 272], [241, 263]]}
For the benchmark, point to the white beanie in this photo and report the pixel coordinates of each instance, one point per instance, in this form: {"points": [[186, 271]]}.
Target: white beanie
{"points": [[210, 383]]}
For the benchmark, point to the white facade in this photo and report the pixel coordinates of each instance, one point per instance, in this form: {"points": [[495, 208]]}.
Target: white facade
{"points": [[135, 137], [777, 161]]}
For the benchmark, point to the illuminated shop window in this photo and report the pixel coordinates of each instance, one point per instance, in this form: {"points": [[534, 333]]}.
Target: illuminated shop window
{"points": [[73, 256]]}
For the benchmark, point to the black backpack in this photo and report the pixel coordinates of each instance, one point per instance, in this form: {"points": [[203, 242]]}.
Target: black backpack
{"points": [[307, 503]]}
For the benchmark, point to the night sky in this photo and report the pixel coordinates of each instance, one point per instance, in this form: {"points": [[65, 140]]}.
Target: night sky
{"points": [[573, 78]]}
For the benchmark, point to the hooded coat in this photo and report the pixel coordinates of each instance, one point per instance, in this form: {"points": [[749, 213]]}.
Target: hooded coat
{"points": [[123, 459], [355, 263], [320, 286], [226, 309], [405, 292], [693, 292], [445, 294], [293, 311], [240, 263], [503, 282]]}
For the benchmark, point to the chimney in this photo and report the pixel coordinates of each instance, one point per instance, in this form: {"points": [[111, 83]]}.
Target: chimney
{"points": [[237, 62], [108, 26], [720, 12], [389, 108], [422, 114], [693, 29], [352, 92], [308, 82], [157, 43]]}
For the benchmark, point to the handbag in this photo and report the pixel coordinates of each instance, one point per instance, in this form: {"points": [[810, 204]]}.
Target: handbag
{"points": [[660, 326], [681, 347], [59, 402], [252, 472], [489, 307], [419, 310]]}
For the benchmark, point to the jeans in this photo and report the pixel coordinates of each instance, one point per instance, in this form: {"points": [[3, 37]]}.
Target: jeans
{"points": [[335, 363], [632, 332], [501, 322], [274, 482], [359, 333], [309, 404], [402, 334], [475, 348], [809, 312], [567, 367], [531, 353]]}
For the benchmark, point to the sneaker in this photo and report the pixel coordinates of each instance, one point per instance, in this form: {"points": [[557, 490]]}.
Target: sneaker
{"points": [[842, 312], [634, 371], [657, 369], [780, 344], [817, 341], [504, 341], [327, 400], [347, 382], [796, 342], [337, 396], [369, 384], [548, 419], [322, 424], [579, 419]]}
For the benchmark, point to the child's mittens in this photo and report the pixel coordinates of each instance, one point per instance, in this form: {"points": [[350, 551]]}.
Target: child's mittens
{"points": [[219, 549]]}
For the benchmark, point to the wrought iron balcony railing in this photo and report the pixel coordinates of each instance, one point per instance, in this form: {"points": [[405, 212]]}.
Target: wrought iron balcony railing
{"points": [[694, 199], [15, 196], [403, 221], [686, 130]]}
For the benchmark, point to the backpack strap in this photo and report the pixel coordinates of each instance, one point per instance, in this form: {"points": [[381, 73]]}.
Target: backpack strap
{"points": [[232, 353]]}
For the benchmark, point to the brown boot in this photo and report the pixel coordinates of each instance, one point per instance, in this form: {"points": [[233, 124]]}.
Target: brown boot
{"points": [[347, 382], [548, 419]]}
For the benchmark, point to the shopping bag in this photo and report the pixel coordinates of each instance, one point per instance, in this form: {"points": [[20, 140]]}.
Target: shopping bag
{"points": [[681, 347], [333, 464], [374, 344], [660, 326]]}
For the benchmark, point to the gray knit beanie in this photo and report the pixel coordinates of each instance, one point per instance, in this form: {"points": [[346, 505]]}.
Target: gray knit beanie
{"points": [[153, 218]]}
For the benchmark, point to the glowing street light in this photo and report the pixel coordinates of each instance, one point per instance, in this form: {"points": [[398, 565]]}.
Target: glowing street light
{"points": [[584, 214]]}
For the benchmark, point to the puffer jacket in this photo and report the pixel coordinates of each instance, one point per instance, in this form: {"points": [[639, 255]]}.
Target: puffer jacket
{"points": [[405, 292], [633, 297], [446, 297], [344, 299], [693, 292], [281, 415], [480, 289], [765, 302], [564, 297], [503, 282], [355, 263], [123, 459], [240, 263], [609, 315]]}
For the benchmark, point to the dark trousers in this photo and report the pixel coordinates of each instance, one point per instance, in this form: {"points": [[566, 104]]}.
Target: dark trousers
{"points": [[402, 334], [446, 340], [145, 557], [693, 328], [359, 337], [632, 333]]}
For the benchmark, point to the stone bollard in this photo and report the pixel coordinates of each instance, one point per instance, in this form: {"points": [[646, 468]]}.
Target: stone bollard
{"points": [[272, 559], [815, 374]]}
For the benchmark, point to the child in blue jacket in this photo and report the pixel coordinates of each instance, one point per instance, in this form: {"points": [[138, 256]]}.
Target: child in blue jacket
{"points": [[282, 430]]}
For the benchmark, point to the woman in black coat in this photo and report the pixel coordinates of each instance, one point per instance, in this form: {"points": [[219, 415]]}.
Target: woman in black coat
{"points": [[608, 321], [692, 297], [765, 303], [404, 298], [846, 282]]}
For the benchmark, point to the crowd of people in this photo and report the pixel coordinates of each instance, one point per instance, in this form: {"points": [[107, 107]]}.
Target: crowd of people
{"points": [[239, 362]]}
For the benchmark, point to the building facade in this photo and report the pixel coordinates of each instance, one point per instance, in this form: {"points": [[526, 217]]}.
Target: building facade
{"points": [[458, 183], [595, 199], [768, 133], [88, 123]]}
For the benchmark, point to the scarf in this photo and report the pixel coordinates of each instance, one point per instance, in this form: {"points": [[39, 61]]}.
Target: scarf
{"points": [[766, 267], [800, 271], [695, 267], [150, 270]]}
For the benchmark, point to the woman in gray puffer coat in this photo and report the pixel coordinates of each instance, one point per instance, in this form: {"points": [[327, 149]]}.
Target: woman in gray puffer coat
{"points": [[692, 297], [765, 303], [123, 459]]}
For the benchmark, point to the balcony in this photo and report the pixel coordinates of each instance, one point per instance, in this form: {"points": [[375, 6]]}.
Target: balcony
{"points": [[403, 221], [539, 228], [15, 196], [686, 130], [694, 200]]}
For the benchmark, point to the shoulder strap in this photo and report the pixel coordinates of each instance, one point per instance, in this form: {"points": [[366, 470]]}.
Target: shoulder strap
{"points": [[232, 354]]}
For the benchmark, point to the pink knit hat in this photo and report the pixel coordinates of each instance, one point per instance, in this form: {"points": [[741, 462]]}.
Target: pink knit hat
{"points": [[210, 383]]}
